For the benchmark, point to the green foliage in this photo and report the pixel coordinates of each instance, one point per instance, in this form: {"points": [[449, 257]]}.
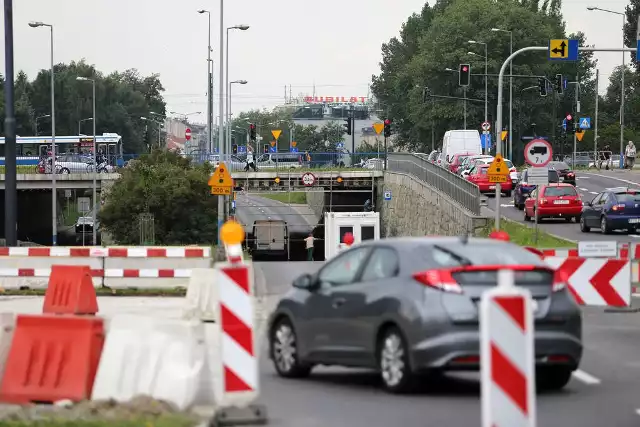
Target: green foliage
{"points": [[173, 190], [122, 98]]}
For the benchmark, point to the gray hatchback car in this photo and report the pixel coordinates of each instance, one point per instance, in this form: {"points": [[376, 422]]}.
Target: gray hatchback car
{"points": [[409, 306]]}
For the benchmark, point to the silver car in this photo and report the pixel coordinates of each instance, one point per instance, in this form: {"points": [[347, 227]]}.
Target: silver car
{"points": [[409, 306]]}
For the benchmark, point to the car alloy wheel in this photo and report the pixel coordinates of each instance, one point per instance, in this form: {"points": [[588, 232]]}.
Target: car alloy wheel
{"points": [[284, 351], [394, 362], [604, 228]]}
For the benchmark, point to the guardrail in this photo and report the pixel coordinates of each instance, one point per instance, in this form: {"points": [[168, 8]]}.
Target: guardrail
{"points": [[460, 190]]}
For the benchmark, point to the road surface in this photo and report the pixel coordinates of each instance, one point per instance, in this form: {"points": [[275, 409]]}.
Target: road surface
{"points": [[250, 208], [588, 185]]}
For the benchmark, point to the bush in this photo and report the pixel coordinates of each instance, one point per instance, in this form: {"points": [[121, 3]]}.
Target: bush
{"points": [[173, 190]]}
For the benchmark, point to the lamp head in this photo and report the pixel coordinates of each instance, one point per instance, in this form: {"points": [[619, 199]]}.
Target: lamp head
{"points": [[202, 11], [35, 24], [591, 8]]}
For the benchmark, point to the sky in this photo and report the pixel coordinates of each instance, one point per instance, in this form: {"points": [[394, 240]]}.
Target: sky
{"points": [[332, 44]]}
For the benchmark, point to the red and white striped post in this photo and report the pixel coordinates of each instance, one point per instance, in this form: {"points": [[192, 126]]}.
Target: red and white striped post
{"points": [[507, 355]]}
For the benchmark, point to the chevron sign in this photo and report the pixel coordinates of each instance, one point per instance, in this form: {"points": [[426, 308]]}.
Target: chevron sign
{"points": [[596, 281]]}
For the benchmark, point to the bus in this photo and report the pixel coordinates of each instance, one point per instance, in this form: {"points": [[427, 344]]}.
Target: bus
{"points": [[30, 149]]}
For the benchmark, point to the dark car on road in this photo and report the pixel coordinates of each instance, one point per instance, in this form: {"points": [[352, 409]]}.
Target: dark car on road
{"points": [[409, 306], [564, 171], [613, 209], [523, 188]]}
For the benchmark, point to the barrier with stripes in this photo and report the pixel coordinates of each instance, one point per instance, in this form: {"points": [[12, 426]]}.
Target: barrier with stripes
{"points": [[115, 267], [507, 370]]}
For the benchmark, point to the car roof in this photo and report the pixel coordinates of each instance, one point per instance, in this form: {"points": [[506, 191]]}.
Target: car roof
{"points": [[409, 241], [558, 184]]}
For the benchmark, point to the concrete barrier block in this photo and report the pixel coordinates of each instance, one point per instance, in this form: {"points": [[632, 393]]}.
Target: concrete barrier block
{"points": [[150, 272], [7, 326], [202, 299], [33, 271]]}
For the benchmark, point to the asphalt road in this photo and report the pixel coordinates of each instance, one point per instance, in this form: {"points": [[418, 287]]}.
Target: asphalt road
{"points": [[250, 208], [603, 393], [588, 184]]}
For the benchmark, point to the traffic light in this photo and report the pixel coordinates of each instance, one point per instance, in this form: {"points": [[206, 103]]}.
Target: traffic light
{"points": [[465, 75], [235, 148], [387, 128], [570, 124], [542, 84], [347, 125], [252, 131], [559, 84], [265, 148]]}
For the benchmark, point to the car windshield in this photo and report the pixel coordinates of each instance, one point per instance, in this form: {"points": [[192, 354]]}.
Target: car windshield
{"points": [[559, 165], [509, 164], [559, 191], [483, 253], [462, 157], [553, 176], [483, 170], [628, 197]]}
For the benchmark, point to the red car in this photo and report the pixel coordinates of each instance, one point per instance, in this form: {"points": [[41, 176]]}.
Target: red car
{"points": [[554, 201], [456, 161], [478, 175]]}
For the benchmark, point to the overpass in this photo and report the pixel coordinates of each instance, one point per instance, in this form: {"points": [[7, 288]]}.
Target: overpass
{"points": [[71, 181]]}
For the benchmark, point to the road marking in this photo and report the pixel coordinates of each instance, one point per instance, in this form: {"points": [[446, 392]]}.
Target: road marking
{"points": [[617, 179], [638, 411], [584, 189], [592, 192], [506, 206], [586, 378]]}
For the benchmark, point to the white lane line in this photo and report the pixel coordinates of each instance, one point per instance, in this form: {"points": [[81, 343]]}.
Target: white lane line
{"points": [[586, 378], [616, 179], [584, 189], [592, 192]]}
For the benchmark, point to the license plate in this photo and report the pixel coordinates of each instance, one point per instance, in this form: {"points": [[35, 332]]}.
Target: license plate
{"points": [[492, 187], [561, 202], [634, 221]]}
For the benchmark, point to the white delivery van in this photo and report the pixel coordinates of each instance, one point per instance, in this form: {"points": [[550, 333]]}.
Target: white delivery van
{"points": [[460, 141]]}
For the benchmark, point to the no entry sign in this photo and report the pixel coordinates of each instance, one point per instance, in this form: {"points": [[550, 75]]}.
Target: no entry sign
{"points": [[187, 134]]}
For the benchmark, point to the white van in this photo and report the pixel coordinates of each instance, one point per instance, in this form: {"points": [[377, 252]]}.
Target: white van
{"points": [[460, 141]]}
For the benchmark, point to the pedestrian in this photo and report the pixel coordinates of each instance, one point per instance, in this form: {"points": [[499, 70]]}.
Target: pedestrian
{"points": [[630, 154], [309, 243], [250, 161]]}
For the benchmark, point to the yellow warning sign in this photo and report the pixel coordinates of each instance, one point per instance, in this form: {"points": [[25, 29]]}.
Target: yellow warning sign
{"points": [[498, 167], [503, 135], [293, 143], [378, 127], [498, 178], [221, 182], [276, 133], [559, 48], [580, 135]]}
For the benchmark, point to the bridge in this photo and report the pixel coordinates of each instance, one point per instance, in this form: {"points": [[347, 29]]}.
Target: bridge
{"points": [[291, 180], [32, 181]]}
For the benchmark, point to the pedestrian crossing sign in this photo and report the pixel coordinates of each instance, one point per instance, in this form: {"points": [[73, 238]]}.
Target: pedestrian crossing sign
{"points": [[585, 122]]}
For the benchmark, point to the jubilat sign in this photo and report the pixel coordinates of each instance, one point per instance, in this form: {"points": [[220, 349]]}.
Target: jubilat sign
{"points": [[332, 99]]}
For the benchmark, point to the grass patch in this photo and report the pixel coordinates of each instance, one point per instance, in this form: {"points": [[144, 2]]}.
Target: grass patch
{"points": [[21, 169], [297, 197], [525, 236]]}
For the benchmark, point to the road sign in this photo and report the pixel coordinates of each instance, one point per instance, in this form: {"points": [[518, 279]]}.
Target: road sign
{"points": [[187, 134], [563, 50], [498, 170], [242, 148], [387, 195], [84, 204], [486, 126], [503, 135], [294, 150], [485, 140], [585, 122], [294, 143], [339, 144], [579, 134], [272, 149], [538, 153], [378, 127], [308, 179], [564, 124], [273, 143], [538, 175], [221, 182], [276, 133]]}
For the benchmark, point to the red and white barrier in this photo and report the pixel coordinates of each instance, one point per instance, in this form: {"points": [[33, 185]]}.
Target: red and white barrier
{"points": [[596, 281], [507, 354], [106, 252]]}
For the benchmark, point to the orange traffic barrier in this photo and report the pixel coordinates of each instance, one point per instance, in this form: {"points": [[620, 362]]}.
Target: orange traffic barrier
{"points": [[52, 358], [70, 291]]}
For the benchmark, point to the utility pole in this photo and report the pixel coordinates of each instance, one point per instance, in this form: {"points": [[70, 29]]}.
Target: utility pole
{"points": [[464, 91], [575, 139], [595, 126], [11, 189], [221, 199]]}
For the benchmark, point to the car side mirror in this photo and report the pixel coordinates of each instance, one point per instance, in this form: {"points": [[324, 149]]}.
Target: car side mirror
{"points": [[305, 281]]}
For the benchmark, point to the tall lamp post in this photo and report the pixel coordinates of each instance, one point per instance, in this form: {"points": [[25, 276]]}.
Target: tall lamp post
{"points": [[510, 155], [95, 158], [622, 94], [209, 84], [221, 150], [11, 187], [486, 78], [240, 82], [54, 198], [80, 124], [41, 117], [228, 85]]}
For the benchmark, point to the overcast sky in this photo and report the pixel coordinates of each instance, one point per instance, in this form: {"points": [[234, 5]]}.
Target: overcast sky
{"points": [[334, 44]]}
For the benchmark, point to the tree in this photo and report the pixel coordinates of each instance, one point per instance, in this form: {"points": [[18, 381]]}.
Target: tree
{"points": [[630, 27], [173, 190]]}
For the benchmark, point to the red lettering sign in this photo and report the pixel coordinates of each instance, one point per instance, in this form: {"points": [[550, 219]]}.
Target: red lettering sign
{"points": [[334, 99]]}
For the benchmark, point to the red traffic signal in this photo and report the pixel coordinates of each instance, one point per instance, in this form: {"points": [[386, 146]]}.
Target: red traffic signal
{"points": [[465, 68], [387, 122]]}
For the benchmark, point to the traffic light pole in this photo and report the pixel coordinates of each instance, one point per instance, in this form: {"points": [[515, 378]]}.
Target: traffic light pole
{"points": [[575, 139]]}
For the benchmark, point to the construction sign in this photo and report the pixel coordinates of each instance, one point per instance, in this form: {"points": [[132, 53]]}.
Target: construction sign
{"points": [[221, 182], [498, 170]]}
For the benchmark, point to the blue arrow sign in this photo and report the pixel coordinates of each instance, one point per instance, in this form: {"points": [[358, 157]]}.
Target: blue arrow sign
{"points": [[485, 140], [294, 149], [387, 195], [242, 148], [272, 149], [564, 124], [585, 122]]}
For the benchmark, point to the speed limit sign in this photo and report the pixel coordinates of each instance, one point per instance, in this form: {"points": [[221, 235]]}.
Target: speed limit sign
{"points": [[308, 179]]}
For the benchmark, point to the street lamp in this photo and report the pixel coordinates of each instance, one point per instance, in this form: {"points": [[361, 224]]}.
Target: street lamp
{"points": [[240, 82], [228, 85], [156, 122], [500, 30], [54, 199], [95, 158], [209, 84], [38, 118], [622, 94], [486, 78], [80, 124]]}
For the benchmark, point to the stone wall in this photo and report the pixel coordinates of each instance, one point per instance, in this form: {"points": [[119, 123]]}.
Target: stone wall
{"points": [[415, 209], [315, 200]]}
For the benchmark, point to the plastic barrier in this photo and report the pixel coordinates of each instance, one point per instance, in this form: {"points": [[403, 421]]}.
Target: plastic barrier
{"points": [[507, 370], [596, 281], [116, 267], [70, 291]]}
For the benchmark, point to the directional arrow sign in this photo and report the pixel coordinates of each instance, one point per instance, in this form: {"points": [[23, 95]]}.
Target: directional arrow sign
{"points": [[560, 50], [563, 49], [276, 133]]}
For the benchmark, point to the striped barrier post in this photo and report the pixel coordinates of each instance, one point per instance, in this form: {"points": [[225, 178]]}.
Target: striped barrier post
{"points": [[507, 353]]}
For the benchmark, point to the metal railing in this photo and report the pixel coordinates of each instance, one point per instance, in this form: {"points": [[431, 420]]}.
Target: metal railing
{"points": [[459, 189]]}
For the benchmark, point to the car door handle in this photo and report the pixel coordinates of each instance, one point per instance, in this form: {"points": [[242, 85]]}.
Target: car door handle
{"points": [[338, 302]]}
